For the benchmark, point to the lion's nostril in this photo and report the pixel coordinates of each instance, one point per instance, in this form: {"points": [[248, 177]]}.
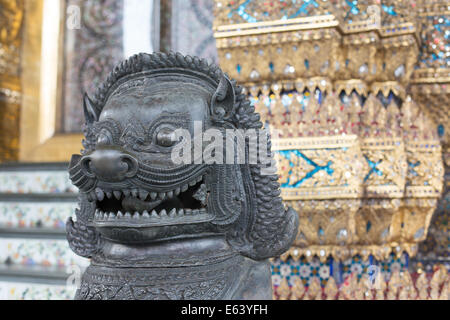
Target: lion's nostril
{"points": [[130, 165], [109, 165], [87, 166], [124, 166]]}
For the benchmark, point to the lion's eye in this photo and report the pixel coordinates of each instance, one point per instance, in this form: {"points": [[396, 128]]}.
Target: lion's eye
{"points": [[166, 137]]}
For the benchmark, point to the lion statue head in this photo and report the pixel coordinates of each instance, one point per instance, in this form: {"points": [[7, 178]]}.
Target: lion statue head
{"points": [[131, 189]]}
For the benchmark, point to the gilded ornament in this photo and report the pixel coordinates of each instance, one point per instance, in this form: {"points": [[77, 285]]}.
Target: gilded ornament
{"points": [[334, 90]]}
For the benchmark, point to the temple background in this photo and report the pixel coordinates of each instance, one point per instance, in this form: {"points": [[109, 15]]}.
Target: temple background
{"points": [[366, 80]]}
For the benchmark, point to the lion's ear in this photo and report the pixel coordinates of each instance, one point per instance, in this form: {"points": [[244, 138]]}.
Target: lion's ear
{"points": [[91, 113], [222, 102]]}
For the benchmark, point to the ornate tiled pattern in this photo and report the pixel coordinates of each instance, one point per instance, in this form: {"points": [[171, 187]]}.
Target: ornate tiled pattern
{"points": [[302, 269], [35, 214], [357, 266], [29, 291], [35, 182], [43, 252], [314, 268], [401, 285]]}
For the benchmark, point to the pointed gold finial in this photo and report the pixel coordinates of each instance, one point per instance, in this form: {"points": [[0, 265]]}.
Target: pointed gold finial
{"points": [[392, 120], [283, 290], [445, 292], [354, 115], [314, 290], [331, 289], [298, 289], [422, 286]]}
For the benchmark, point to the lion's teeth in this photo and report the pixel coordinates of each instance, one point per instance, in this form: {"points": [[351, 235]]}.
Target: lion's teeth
{"points": [[108, 194], [164, 213], [126, 192], [99, 193], [153, 195], [192, 183], [143, 194], [134, 192], [170, 194], [177, 191], [117, 194], [162, 195], [184, 188], [199, 179]]}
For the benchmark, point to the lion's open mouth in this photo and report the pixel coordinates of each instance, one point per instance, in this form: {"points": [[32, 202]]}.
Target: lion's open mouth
{"points": [[185, 204]]}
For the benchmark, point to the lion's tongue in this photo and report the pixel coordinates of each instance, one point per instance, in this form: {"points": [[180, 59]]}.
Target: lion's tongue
{"points": [[134, 204]]}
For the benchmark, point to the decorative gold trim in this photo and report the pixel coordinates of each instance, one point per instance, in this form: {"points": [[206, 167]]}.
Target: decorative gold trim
{"points": [[385, 144], [431, 75], [433, 8], [318, 193], [316, 142], [246, 29], [379, 252], [349, 85], [373, 23], [424, 146], [383, 191], [422, 192], [38, 139], [387, 86], [398, 29], [399, 286], [435, 13]]}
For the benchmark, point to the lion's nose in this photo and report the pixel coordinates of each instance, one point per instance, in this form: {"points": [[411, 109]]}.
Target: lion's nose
{"points": [[109, 165]]}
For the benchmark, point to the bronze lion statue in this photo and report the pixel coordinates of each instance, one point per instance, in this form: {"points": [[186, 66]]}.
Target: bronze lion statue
{"points": [[157, 229]]}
